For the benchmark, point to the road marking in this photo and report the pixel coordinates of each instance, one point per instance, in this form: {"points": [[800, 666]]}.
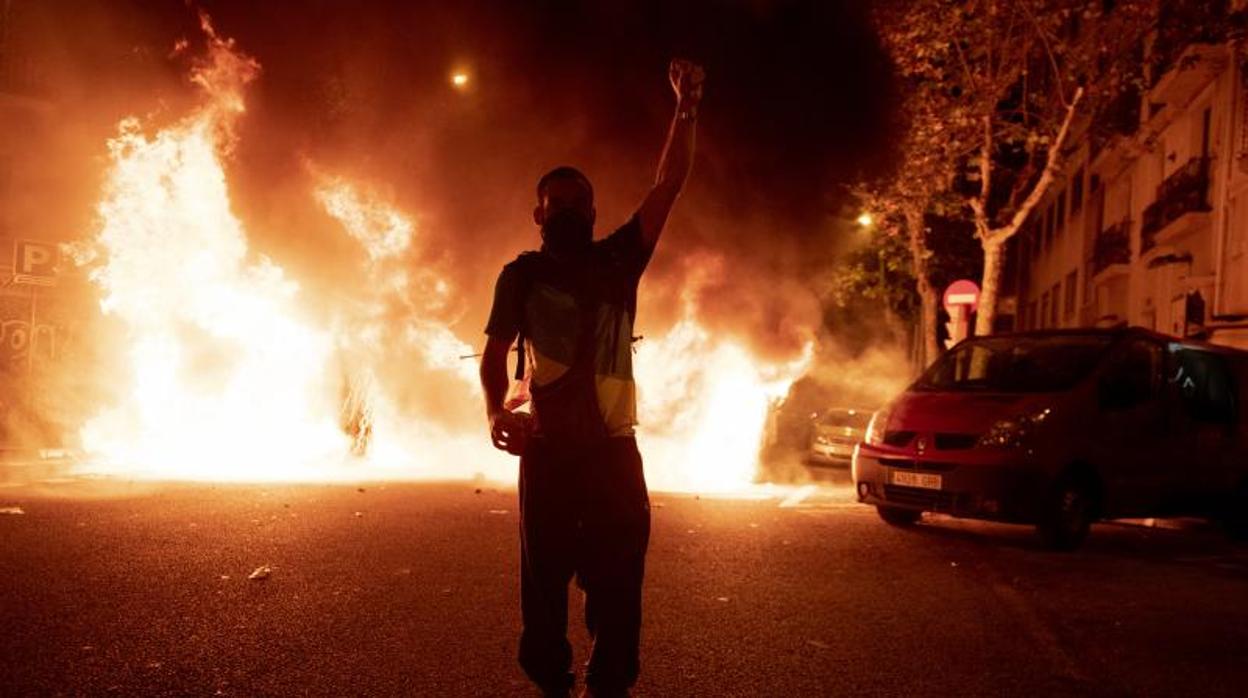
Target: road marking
{"points": [[1040, 632], [798, 495]]}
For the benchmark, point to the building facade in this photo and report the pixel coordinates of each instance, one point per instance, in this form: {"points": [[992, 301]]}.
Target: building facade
{"points": [[35, 322], [1149, 226]]}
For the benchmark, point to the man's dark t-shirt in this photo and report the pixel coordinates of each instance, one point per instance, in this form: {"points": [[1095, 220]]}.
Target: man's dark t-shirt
{"points": [[541, 295]]}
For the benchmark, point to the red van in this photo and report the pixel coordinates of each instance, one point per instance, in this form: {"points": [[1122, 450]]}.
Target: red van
{"points": [[1061, 428]]}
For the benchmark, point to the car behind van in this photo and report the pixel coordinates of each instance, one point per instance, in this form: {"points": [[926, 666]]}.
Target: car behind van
{"points": [[833, 435], [1060, 428]]}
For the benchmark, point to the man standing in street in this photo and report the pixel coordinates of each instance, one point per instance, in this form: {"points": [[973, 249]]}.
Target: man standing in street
{"points": [[584, 510]]}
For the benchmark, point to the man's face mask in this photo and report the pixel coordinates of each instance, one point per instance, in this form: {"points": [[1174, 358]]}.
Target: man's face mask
{"points": [[567, 230]]}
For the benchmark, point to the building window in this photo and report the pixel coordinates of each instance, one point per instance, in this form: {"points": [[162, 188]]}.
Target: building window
{"points": [[1048, 227], [1057, 295], [1025, 247], [1076, 192], [6, 176], [1071, 279], [1061, 212]]}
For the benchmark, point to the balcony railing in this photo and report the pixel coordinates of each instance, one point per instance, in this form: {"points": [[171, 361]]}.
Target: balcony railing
{"points": [[1183, 192], [1113, 246]]}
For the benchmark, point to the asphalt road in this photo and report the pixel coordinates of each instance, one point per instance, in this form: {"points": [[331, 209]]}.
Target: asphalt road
{"points": [[411, 589]]}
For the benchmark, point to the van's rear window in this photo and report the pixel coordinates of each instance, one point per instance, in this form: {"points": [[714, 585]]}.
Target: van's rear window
{"points": [[1018, 364]]}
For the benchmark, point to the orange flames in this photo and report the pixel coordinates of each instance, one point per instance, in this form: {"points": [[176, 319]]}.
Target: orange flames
{"points": [[228, 377]]}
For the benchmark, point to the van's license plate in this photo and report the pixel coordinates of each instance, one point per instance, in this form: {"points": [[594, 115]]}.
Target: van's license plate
{"points": [[927, 481]]}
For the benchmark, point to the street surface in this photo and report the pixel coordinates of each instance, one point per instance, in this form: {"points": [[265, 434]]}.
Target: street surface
{"points": [[411, 589]]}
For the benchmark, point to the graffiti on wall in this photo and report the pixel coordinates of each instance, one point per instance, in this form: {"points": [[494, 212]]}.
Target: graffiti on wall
{"points": [[21, 344]]}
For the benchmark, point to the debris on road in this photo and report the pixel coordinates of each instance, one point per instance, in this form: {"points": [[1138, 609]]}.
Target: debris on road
{"points": [[261, 572], [11, 510], [359, 489], [820, 644], [359, 514], [498, 511], [722, 598]]}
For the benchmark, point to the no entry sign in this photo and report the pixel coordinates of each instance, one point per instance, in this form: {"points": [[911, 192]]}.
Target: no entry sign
{"points": [[962, 292]]}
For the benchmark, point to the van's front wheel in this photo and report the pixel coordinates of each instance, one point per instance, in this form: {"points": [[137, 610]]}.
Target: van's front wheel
{"points": [[1067, 513], [897, 516]]}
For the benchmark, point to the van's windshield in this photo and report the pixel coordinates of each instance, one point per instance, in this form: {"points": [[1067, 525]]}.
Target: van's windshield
{"points": [[1016, 364]]}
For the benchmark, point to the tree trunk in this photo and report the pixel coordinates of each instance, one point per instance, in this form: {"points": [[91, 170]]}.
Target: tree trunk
{"points": [[993, 258], [930, 308], [916, 232], [993, 239]]}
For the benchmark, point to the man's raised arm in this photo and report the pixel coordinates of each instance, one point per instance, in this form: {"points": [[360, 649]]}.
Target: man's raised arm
{"points": [[686, 78]]}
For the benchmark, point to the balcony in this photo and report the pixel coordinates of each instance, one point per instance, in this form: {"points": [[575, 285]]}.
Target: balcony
{"points": [[1189, 45], [1113, 247], [1182, 200], [1194, 67]]}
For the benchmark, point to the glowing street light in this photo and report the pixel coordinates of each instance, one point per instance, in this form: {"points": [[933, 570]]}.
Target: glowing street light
{"points": [[865, 220], [459, 80]]}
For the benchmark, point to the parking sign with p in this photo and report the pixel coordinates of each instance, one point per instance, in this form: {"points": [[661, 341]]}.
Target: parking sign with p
{"points": [[35, 263]]}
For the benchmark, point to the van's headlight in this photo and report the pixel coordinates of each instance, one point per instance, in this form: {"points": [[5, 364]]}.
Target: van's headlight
{"points": [[1013, 432], [876, 427]]}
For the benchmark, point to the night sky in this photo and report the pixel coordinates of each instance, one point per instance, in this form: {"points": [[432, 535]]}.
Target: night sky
{"points": [[797, 103]]}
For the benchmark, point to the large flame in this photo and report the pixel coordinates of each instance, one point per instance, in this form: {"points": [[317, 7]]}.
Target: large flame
{"points": [[704, 407], [225, 376], [229, 378]]}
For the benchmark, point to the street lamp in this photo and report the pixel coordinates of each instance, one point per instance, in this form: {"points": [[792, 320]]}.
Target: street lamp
{"points": [[459, 79], [865, 219]]}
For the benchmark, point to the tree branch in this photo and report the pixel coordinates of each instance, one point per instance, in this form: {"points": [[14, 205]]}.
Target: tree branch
{"points": [[1048, 51], [1051, 169], [972, 80]]}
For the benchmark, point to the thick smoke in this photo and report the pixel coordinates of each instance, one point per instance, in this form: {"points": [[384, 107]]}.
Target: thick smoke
{"points": [[364, 93]]}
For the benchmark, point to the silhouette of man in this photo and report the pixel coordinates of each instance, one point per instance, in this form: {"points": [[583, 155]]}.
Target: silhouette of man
{"points": [[584, 509]]}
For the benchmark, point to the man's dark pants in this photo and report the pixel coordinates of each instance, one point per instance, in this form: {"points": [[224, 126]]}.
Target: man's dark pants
{"points": [[583, 512]]}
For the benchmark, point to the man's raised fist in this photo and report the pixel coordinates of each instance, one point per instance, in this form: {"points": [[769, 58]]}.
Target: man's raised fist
{"points": [[686, 77]]}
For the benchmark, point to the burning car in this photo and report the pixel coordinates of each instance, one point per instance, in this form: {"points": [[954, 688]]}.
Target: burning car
{"points": [[1061, 428]]}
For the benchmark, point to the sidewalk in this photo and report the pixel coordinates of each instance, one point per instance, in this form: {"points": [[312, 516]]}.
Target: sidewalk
{"points": [[31, 464]]}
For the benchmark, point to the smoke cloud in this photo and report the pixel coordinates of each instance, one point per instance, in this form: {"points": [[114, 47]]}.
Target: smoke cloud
{"points": [[365, 93]]}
